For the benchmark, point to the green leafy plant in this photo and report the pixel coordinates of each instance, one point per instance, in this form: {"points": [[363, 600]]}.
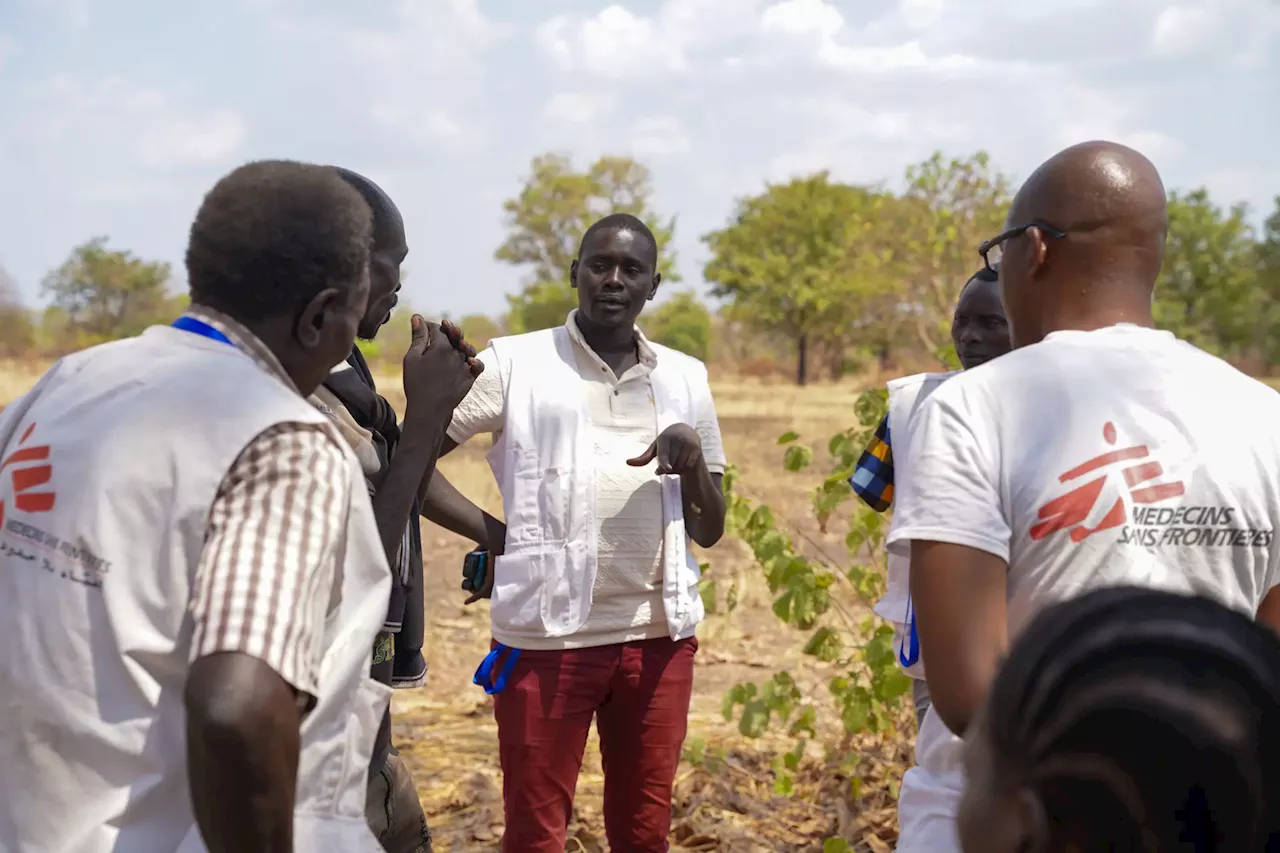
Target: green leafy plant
{"points": [[830, 602]]}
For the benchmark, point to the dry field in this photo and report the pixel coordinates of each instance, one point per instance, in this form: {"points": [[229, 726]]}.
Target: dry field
{"points": [[446, 729]]}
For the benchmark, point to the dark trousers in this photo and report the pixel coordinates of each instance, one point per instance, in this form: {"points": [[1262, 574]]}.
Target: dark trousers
{"points": [[638, 694]]}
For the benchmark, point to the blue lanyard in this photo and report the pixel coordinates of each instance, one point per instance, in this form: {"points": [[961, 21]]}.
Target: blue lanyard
{"points": [[909, 651], [485, 671], [187, 323]]}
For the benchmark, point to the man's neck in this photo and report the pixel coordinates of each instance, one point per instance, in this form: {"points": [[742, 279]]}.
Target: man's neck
{"points": [[606, 341], [1102, 318]]}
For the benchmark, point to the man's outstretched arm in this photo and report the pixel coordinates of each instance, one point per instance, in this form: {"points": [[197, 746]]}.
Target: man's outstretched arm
{"points": [[439, 370], [261, 595]]}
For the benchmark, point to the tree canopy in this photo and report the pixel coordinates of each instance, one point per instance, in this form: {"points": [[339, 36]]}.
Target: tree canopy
{"points": [[682, 323], [106, 293], [546, 222], [812, 272]]}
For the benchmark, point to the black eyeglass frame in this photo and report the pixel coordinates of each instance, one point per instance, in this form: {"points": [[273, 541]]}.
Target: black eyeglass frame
{"points": [[1005, 236]]}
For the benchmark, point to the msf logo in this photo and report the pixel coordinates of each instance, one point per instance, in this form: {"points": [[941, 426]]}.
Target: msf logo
{"points": [[1099, 503], [29, 469]]}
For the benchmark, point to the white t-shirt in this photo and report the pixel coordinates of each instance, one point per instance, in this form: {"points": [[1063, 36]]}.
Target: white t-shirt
{"points": [[1121, 456]]}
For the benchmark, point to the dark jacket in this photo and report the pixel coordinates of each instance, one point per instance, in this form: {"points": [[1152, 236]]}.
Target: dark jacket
{"points": [[405, 618]]}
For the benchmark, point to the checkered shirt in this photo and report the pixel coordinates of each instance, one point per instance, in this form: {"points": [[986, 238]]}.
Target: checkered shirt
{"points": [[872, 479]]}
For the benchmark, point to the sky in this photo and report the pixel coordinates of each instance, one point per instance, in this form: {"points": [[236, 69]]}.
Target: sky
{"points": [[117, 115]]}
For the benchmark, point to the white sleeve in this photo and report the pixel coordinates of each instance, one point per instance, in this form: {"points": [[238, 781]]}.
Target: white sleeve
{"points": [[951, 493], [484, 409], [708, 427]]}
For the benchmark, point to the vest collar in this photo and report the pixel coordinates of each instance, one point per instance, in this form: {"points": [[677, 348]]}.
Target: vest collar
{"points": [[244, 340]]}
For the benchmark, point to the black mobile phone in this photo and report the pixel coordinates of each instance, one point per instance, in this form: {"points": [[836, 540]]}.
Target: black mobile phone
{"points": [[475, 567]]}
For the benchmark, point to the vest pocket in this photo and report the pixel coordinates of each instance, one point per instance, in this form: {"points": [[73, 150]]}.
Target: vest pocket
{"points": [[369, 705], [518, 582], [540, 509]]}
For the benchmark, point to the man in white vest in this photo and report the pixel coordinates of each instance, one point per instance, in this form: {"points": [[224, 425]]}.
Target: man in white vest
{"points": [[608, 455], [979, 332], [1100, 452], [190, 573]]}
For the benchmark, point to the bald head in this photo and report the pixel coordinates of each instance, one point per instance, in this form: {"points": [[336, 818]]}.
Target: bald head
{"points": [[1093, 252], [1097, 186]]}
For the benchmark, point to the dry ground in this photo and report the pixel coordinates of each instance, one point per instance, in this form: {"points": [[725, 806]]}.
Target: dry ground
{"points": [[725, 801]]}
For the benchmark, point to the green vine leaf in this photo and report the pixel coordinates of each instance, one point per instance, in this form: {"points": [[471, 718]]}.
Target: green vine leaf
{"points": [[797, 458]]}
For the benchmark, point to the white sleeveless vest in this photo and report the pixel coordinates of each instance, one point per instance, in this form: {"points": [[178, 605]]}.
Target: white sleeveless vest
{"points": [[929, 796], [93, 755], [905, 395], [543, 462]]}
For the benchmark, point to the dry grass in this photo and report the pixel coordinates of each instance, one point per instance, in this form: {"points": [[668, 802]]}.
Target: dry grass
{"points": [[724, 796]]}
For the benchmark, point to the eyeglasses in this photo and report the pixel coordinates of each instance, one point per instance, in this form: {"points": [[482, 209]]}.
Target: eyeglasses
{"points": [[993, 250]]}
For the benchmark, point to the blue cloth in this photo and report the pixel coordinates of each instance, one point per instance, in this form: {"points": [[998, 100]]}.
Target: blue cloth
{"points": [[909, 651], [485, 671], [187, 323]]}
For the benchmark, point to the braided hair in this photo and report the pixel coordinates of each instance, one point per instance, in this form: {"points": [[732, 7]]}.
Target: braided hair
{"points": [[1144, 721]]}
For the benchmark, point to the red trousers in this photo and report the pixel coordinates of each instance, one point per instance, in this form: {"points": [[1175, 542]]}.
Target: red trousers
{"points": [[638, 694]]}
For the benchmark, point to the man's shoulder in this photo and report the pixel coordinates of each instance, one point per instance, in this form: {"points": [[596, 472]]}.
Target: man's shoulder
{"points": [[903, 383], [541, 336]]}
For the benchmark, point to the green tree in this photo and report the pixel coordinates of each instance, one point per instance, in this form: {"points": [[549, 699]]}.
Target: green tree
{"points": [[1269, 285], [1208, 290], [17, 331], [682, 323], [949, 208], [480, 329], [106, 293], [803, 259], [546, 222]]}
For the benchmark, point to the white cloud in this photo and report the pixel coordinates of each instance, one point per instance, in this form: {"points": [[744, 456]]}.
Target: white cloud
{"points": [[803, 17], [613, 44], [1242, 29], [660, 136], [425, 126], [617, 43], [142, 125], [424, 62], [1180, 29], [578, 107], [921, 14]]}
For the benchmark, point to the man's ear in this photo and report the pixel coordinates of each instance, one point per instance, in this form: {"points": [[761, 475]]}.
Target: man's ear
{"points": [[573, 273], [311, 320], [1039, 249], [657, 280]]}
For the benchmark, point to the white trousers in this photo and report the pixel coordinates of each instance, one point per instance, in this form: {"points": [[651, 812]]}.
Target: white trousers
{"points": [[930, 796]]}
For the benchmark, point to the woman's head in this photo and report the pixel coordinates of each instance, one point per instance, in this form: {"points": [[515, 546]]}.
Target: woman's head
{"points": [[1129, 720]]}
